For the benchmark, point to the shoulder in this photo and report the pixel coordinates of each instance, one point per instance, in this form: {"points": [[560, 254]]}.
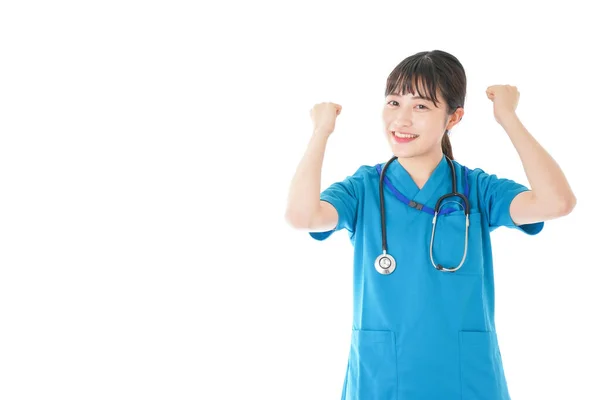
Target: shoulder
{"points": [[364, 178], [486, 187], [367, 170], [364, 173], [470, 170], [476, 176]]}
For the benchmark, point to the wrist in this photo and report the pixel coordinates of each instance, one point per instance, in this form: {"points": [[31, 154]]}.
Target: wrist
{"points": [[507, 118], [321, 133]]}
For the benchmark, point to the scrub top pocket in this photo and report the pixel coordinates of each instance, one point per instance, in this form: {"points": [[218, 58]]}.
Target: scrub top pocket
{"points": [[449, 243], [372, 372]]}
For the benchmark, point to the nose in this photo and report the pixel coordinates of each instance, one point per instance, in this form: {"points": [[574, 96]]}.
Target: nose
{"points": [[402, 117]]}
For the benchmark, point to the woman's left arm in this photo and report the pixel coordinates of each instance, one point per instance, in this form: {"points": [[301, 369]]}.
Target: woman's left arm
{"points": [[550, 195]]}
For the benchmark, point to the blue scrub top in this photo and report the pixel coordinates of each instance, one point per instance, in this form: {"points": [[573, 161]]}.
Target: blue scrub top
{"points": [[420, 333]]}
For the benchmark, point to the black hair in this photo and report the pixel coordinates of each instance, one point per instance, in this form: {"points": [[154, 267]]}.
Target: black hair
{"points": [[427, 72]]}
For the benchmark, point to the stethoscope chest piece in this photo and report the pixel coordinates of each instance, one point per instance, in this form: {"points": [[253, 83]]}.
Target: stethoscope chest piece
{"points": [[385, 264]]}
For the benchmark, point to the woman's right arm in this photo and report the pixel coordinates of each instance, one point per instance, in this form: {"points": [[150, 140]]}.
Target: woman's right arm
{"points": [[305, 209]]}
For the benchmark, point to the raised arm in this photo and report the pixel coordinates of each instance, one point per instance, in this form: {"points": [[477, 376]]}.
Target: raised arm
{"points": [[550, 195], [304, 209]]}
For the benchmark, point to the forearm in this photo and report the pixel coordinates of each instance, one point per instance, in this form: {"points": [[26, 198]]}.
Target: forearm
{"points": [[547, 181], [305, 189]]}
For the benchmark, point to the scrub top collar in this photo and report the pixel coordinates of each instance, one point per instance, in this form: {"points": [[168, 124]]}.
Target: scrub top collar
{"points": [[403, 182]]}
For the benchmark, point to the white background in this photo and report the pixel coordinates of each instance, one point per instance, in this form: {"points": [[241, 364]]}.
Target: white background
{"points": [[146, 150]]}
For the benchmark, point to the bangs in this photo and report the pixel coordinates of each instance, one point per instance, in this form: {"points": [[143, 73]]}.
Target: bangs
{"points": [[414, 76]]}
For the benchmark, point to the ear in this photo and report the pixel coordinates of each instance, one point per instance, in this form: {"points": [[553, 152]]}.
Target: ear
{"points": [[455, 118]]}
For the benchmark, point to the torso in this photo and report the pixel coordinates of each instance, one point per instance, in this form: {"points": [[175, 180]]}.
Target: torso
{"points": [[414, 330]]}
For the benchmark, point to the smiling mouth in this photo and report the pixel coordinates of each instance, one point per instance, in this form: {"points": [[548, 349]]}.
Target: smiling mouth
{"points": [[404, 135]]}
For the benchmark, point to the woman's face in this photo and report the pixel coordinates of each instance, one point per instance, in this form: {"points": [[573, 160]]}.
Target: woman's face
{"points": [[424, 123]]}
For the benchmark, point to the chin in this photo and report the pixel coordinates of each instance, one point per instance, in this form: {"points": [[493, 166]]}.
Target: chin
{"points": [[402, 151], [404, 154]]}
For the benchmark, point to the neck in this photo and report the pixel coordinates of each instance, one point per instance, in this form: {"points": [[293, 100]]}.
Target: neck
{"points": [[421, 167]]}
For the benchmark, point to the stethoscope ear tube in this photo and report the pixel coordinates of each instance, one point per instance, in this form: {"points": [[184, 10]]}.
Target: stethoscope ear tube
{"points": [[382, 205]]}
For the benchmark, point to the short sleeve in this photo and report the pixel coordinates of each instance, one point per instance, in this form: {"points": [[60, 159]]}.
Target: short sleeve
{"points": [[495, 196], [344, 196]]}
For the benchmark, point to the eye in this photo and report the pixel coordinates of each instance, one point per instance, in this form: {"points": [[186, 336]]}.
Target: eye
{"points": [[418, 105]]}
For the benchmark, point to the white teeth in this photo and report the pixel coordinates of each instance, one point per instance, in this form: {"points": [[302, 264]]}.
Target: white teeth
{"points": [[402, 135]]}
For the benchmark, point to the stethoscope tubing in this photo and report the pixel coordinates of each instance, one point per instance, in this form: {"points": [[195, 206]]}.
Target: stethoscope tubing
{"points": [[389, 260]]}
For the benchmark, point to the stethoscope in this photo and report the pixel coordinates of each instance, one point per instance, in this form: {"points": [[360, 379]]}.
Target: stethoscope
{"points": [[385, 263]]}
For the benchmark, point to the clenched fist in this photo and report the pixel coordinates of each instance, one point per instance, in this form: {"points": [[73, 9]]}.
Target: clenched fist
{"points": [[505, 99], [324, 116]]}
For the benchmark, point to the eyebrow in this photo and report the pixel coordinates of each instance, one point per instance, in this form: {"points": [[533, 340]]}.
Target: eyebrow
{"points": [[414, 97]]}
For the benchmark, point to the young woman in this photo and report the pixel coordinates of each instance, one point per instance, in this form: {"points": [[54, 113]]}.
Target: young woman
{"points": [[423, 321]]}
